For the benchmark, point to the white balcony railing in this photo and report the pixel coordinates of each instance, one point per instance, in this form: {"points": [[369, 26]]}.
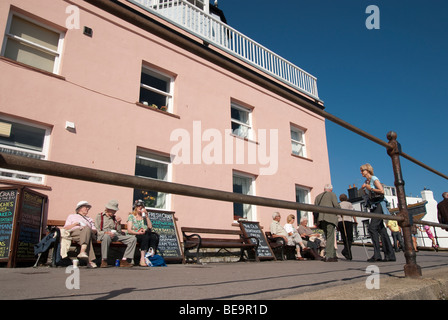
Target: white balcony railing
{"points": [[191, 16]]}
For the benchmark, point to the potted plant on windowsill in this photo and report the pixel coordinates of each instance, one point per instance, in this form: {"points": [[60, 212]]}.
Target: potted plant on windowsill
{"points": [[164, 108]]}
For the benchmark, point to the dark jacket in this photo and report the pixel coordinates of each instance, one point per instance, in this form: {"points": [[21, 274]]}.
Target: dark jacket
{"points": [[442, 211]]}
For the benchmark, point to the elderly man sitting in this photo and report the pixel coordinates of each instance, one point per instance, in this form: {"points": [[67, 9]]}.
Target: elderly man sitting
{"points": [[109, 230], [278, 231]]}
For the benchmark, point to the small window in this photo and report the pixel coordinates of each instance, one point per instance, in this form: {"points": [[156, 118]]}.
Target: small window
{"points": [[26, 140], [244, 185], [32, 43], [241, 119], [303, 196], [298, 142], [154, 166], [156, 90]]}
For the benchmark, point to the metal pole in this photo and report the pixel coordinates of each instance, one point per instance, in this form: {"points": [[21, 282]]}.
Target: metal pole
{"points": [[68, 171], [411, 269]]}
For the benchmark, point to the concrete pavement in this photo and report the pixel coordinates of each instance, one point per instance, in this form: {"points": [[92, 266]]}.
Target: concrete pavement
{"points": [[267, 280]]}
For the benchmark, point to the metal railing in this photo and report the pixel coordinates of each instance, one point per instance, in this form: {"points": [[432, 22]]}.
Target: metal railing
{"points": [[192, 19]]}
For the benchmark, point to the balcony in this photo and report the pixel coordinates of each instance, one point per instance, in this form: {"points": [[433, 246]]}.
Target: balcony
{"points": [[193, 16]]}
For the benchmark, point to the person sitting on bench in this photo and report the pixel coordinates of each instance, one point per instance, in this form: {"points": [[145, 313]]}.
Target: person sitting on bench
{"points": [[82, 230], [109, 230], [278, 231]]}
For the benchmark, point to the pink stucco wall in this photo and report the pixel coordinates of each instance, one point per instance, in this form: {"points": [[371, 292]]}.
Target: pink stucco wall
{"points": [[99, 92]]}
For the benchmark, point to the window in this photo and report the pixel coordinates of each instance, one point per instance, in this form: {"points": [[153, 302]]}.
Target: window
{"points": [[244, 185], [303, 196], [23, 139], [32, 43], [156, 89], [154, 166], [298, 142], [241, 119]]}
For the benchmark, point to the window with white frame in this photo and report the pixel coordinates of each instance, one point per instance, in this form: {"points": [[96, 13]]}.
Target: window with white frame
{"points": [[23, 139], [241, 121], [245, 185], [32, 43], [298, 142], [156, 89], [303, 196], [154, 166]]}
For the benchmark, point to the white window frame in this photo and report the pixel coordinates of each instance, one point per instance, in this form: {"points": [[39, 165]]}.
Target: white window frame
{"points": [[248, 125], [43, 155], [248, 208], [307, 200], [10, 37], [157, 158], [302, 143], [161, 76]]}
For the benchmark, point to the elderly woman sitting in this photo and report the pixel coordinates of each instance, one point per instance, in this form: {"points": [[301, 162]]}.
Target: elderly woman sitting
{"points": [[313, 240], [289, 238], [82, 230]]}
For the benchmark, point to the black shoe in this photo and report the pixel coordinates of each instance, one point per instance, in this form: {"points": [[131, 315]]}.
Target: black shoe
{"points": [[335, 259], [346, 256], [374, 260], [391, 260]]}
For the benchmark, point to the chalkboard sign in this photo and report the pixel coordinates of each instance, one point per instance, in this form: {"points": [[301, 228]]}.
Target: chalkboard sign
{"points": [[252, 229], [30, 223], [8, 201], [163, 223]]}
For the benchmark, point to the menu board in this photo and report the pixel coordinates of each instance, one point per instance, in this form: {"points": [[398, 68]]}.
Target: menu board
{"points": [[30, 224], [7, 210], [252, 229], [163, 223]]}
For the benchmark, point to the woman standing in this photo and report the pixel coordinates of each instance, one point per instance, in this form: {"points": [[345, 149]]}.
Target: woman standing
{"points": [[375, 192], [140, 225]]}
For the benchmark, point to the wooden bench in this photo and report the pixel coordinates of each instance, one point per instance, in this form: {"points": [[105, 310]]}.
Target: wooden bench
{"points": [[281, 249], [61, 223], [194, 240], [95, 243]]}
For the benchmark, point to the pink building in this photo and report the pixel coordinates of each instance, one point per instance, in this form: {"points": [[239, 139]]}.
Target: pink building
{"points": [[90, 83]]}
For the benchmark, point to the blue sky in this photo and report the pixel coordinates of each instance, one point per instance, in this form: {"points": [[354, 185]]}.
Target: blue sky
{"points": [[393, 78]]}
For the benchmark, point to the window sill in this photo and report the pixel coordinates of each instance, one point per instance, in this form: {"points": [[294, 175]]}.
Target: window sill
{"points": [[24, 184], [157, 110], [300, 157], [245, 139], [23, 65]]}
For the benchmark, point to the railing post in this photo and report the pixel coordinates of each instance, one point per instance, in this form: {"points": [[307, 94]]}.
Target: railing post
{"points": [[411, 269]]}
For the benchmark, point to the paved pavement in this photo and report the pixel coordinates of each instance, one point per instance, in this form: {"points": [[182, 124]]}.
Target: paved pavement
{"points": [[266, 280]]}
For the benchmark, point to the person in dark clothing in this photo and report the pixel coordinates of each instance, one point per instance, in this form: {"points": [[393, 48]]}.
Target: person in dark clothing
{"points": [[442, 209]]}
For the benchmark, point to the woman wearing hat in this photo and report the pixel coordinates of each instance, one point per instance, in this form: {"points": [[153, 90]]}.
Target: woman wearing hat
{"points": [[140, 225], [82, 230]]}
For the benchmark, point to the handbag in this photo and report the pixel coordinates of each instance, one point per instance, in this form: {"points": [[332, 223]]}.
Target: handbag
{"points": [[375, 197]]}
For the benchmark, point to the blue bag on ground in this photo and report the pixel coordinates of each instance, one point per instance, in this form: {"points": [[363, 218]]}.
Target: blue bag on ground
{"points": [[154, 260]]}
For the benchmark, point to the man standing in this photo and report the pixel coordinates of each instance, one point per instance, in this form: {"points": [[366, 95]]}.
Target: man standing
{"points": [[442, 209], [328, 222], [109, 230]]}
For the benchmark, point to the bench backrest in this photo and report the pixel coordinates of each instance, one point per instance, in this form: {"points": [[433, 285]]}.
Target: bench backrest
{"points": [[236, 232], [61, 223]]}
